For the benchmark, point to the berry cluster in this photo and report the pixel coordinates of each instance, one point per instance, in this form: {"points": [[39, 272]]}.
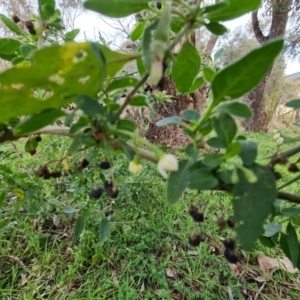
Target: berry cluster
{"points": [[110, 189], [197, 216]]}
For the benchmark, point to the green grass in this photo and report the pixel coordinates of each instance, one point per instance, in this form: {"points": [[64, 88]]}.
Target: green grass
{"points": [[147, 237]]}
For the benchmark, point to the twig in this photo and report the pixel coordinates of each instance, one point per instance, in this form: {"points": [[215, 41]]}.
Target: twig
{"points": [[260, 290], [16, 260], [289, 197]]}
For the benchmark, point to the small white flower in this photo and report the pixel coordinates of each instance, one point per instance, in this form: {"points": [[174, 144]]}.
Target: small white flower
{"points": [[277, 136], [280, 140], [134, 167], [167, 163]]}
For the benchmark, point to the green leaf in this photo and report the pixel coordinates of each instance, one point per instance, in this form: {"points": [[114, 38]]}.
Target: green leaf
{"points": [[241, 77], [219, 54], [31, 144], [284, 245], [209, 74], [140, 66], [137, 31], [2, 198], [232, 150], [197, 84], [192, 150], [225, 128], [212, 160], [266, 241], [293, 244], [11, 25], [293, 103], [48, 10], [250, 211], [235, 108], [139, 101], [201, 179], [186, 67], [104, 230], [233, 10], [168, 121], [76, 145], [89, 106], [178, 181], [70, 210], [9, 48], [126, 125], [121, 83], [272, 229], [116, 8], [191, 115], [248, 153], [79, 226], [216, 28], [215, 142], [290, 211], [38, 121], [71, 35], [4, 223], [163, 26]]}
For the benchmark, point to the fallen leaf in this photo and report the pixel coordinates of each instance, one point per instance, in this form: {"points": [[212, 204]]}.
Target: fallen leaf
{"points": [[236, 268], [171, 273], [193, 253], [287, 265], [23, 279], [261, 279], [142, 290], [267, 264]]}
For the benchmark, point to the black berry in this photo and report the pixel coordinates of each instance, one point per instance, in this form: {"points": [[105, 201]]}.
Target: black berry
{"points": [[104, 165], [198, 217], [231, 256], [96, 193], [293, 168], [277, 175], [195, 240], [30, 27], [108, 185], [229, 244], [38, 138], [56, 174], [16, 19], [83, 164], [158, 5], [113, 193], [231, 222], [33, 152]]}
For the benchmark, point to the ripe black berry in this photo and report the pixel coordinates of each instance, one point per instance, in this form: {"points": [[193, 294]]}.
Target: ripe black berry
{"points": [[198, 217], [41, 171], [231, 222], [113, 193], [38, 138], [158, 5], [221, 223], [16, 19], [30, 27], [193, 210], [96, 193], [195, 240], [32, 152], [229, 244], [83, 164], [293, 168], [231, 256], [104, 165]]}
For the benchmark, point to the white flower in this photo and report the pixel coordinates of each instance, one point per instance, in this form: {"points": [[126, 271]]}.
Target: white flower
{"points": [[134, 167], [167, 163], [277, 136], [280, 140]]}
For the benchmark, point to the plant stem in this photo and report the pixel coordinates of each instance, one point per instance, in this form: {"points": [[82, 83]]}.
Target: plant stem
{"points": [[289, 197]]}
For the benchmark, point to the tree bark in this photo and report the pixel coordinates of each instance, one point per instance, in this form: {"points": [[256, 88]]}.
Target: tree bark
{"points": [[256, 98]]}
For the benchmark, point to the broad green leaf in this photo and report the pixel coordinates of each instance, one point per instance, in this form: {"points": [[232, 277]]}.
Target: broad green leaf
{"points": [[140, 66], [63, 72], [178, 181], [70, 210], [235, 108], [284, 245], [191, 115], [163, 26], [139, 101], [216, 28], [31, 144], [138, 31], [104, 230], [197, 84], [293, 103], [219, 54], [48, 10], [116, 8], [177, 25], [11, 25], [79, 226], [201, 179], [168, 121], [225, 128], [38, 121], [272, 229], [71, 35], [76, 145], [126, 125], [128, 151], [232, 150], [121, 83], [186, 67], [234, 9], [253, 203], [215, 142], [248, 152], [209, 74], [9, 48], [89, 106], [212, 160], [26, 50], [290, 211], [241, 77], [32, 207], [293, 244], [4, 223], [266, 241], [192, 150]]}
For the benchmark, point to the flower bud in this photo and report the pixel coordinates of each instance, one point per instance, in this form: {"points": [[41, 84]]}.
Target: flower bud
{"points": [[167, 163], [277, 136], [135, 167], [280, 140]]}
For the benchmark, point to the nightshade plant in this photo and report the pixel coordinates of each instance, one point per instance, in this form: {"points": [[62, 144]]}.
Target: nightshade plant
{"points": [[49, 71]]}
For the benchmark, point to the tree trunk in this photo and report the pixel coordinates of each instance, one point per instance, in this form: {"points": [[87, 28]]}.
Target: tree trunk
{"points": [[256, 98]]}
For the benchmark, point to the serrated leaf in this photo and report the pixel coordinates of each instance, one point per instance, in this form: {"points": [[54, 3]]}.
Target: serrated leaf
{"points": [[248, 152], [250, 211], [272, 228], [104, 230], [191, 115], [79, 226], [116, 8], [293, 243], [38, 121], [235, 108], [186, 67], [168, 121], [241, 77]]}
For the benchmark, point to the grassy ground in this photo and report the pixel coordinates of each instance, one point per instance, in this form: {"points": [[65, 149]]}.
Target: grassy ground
{"points": [[146, 255]]}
